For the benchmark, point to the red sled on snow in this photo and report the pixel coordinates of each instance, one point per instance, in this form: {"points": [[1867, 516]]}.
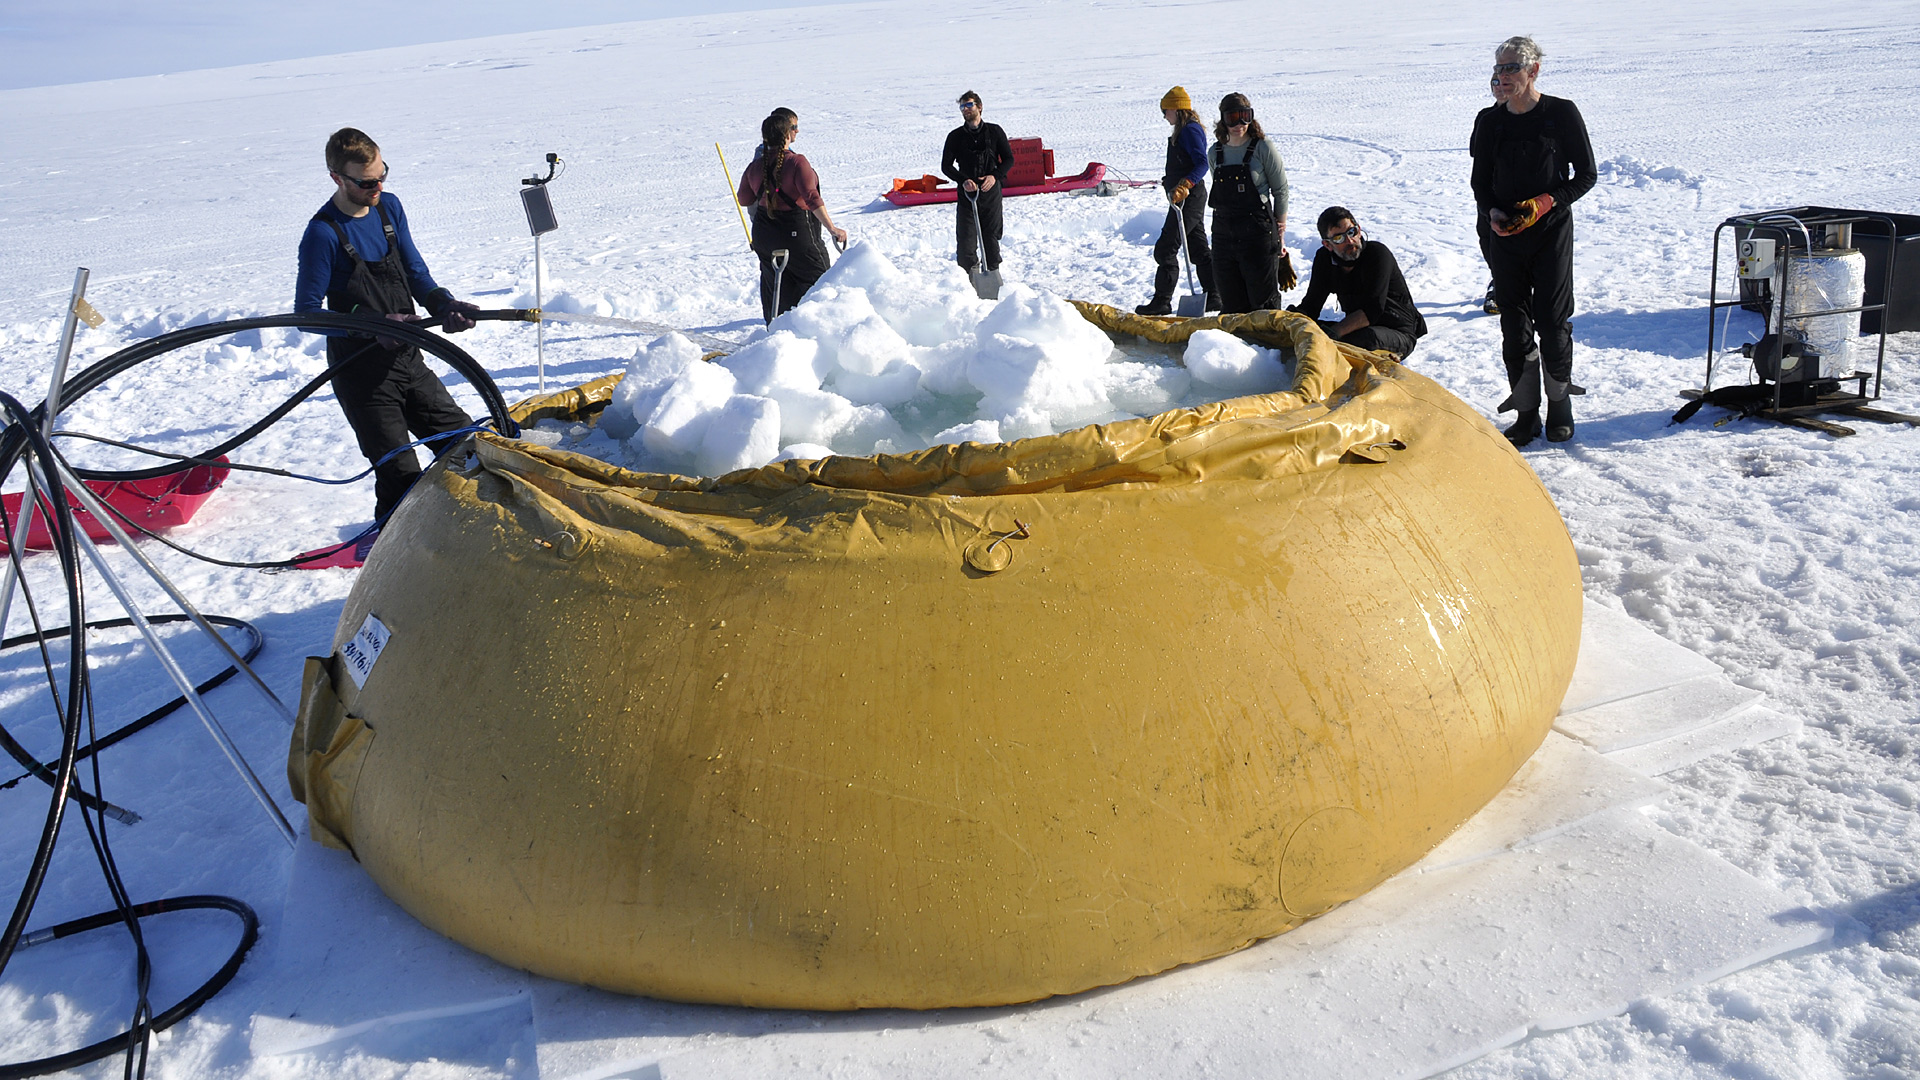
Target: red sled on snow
{"points": [[156, 503], [1032, 174]]}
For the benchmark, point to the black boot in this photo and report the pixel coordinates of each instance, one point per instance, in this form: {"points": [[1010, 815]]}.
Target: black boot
{"points": [[1560, 419], [1526, 428], [1159, 305]]}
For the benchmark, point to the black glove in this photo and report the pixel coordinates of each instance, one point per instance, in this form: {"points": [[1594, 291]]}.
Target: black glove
{"points": [[1288, 279], [394, 344], [458, 315]]}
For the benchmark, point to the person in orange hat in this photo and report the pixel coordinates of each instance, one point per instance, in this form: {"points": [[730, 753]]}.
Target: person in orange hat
{"points": [[1185, 181]]}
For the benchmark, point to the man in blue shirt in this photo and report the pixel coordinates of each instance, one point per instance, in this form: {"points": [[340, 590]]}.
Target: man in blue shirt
{"points": [[358, 256]]}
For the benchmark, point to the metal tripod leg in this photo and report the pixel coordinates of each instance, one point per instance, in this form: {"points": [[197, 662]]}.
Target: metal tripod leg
{"points": [[178, 675]]}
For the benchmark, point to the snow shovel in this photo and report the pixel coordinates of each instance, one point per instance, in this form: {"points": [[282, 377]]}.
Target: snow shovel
{"points": [[986, 283], [779, 271], [1194, 304]]}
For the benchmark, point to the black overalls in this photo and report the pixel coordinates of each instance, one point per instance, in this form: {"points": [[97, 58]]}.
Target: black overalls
{"points": [[1191, 215], [798, 231], [1246, 252], [385, 391]]}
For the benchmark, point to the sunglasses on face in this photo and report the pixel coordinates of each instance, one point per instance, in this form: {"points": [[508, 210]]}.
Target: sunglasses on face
{"points": [[1236, 117], [968, 106], [1509, 69], [1342, 237], [368, 185]]}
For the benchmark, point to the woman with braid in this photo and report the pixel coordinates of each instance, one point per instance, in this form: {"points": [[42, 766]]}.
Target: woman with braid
{"points": [[788, 211]]}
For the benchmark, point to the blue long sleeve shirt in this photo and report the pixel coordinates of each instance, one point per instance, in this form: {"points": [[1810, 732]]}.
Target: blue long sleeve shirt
{"points": [[1193, 140], [324, 267]]}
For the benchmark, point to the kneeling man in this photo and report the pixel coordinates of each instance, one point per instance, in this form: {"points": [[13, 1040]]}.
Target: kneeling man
{"points": [[1362, 274]]}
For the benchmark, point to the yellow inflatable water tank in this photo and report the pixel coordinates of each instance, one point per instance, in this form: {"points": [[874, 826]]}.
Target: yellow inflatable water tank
{"points": [[970, 726]]}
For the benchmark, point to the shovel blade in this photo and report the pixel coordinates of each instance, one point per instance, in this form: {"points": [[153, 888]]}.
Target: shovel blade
{"points": [[986, 284], [1191, 306]]}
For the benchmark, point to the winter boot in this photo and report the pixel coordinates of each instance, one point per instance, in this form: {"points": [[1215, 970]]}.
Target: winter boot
{"points": [[1559, 410], [1526, 428], [1489, 305], [1159, 305]]}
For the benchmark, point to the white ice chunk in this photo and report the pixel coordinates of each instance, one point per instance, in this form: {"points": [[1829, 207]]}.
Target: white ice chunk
{"points": [[1146, 389], [861, 266], [676, 426], [869, 426], [850, 333], [1221, 360], [897, 384], [743, 434], [980, 431], [1055, 385], [804, 451], [654, 366], [944, 367], [780, 359], [812, 416]]}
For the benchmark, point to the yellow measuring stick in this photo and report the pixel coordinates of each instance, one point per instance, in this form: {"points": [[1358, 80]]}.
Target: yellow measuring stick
{"points": [[728, 173]]}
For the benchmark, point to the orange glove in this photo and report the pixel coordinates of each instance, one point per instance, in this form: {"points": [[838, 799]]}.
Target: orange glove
{"points": [[1180, 192], [1528, 212]]}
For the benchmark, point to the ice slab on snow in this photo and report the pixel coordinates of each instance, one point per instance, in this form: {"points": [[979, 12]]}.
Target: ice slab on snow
{"points": [[1424, 973], [1657, 714], [1620, 658], [1749, 727], [1563, 784]]}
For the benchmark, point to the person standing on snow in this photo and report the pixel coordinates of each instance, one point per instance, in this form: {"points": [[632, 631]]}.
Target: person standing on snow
{"points": [[357, 255], [1249, 204], [1376, 305], [1186, 184], [788, 211], [1531, 161], [977, 157]]}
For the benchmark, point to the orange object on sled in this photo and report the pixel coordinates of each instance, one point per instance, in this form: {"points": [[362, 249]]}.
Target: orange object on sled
{"points": [[159, 502]]}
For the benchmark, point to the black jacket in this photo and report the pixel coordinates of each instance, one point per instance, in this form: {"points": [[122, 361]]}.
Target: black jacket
{"points": [[972, 153], [1543, 151], [1371, 283]]}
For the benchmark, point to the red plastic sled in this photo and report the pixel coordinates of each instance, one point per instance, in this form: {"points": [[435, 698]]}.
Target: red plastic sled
{"points": [[916, 195], [160, 502]]}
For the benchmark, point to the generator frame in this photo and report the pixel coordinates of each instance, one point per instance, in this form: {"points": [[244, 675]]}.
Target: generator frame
{"points": [[1794, 232]]}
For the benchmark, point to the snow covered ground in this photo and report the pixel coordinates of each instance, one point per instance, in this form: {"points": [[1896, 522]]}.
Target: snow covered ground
{"points": [[1784, 556]]}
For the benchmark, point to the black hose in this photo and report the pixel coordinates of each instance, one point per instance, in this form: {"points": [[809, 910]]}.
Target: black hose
{"points": [[25, 436], [411, 333], [250, 932], [44, 771]]}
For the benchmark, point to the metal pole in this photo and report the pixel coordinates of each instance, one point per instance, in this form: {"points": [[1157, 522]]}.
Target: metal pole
{"points": [[185, 684], [93, 505], [540, 328], [22, 526]]}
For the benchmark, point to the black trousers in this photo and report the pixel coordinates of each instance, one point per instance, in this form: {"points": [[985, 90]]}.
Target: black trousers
{"points": [[1371, 338], [385, 396], [1246, 265], [798, 231], [1533, 284], [1192, 215], [969, 241]]}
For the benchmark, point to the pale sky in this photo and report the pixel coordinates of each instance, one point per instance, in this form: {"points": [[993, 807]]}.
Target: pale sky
{"points": [[44, 42]]}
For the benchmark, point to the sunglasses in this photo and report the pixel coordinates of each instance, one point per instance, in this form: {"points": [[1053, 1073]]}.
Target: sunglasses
{"points": [[965, 105], [1342, 237], [1509, 69], [1236, 117], [368, 185]]}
